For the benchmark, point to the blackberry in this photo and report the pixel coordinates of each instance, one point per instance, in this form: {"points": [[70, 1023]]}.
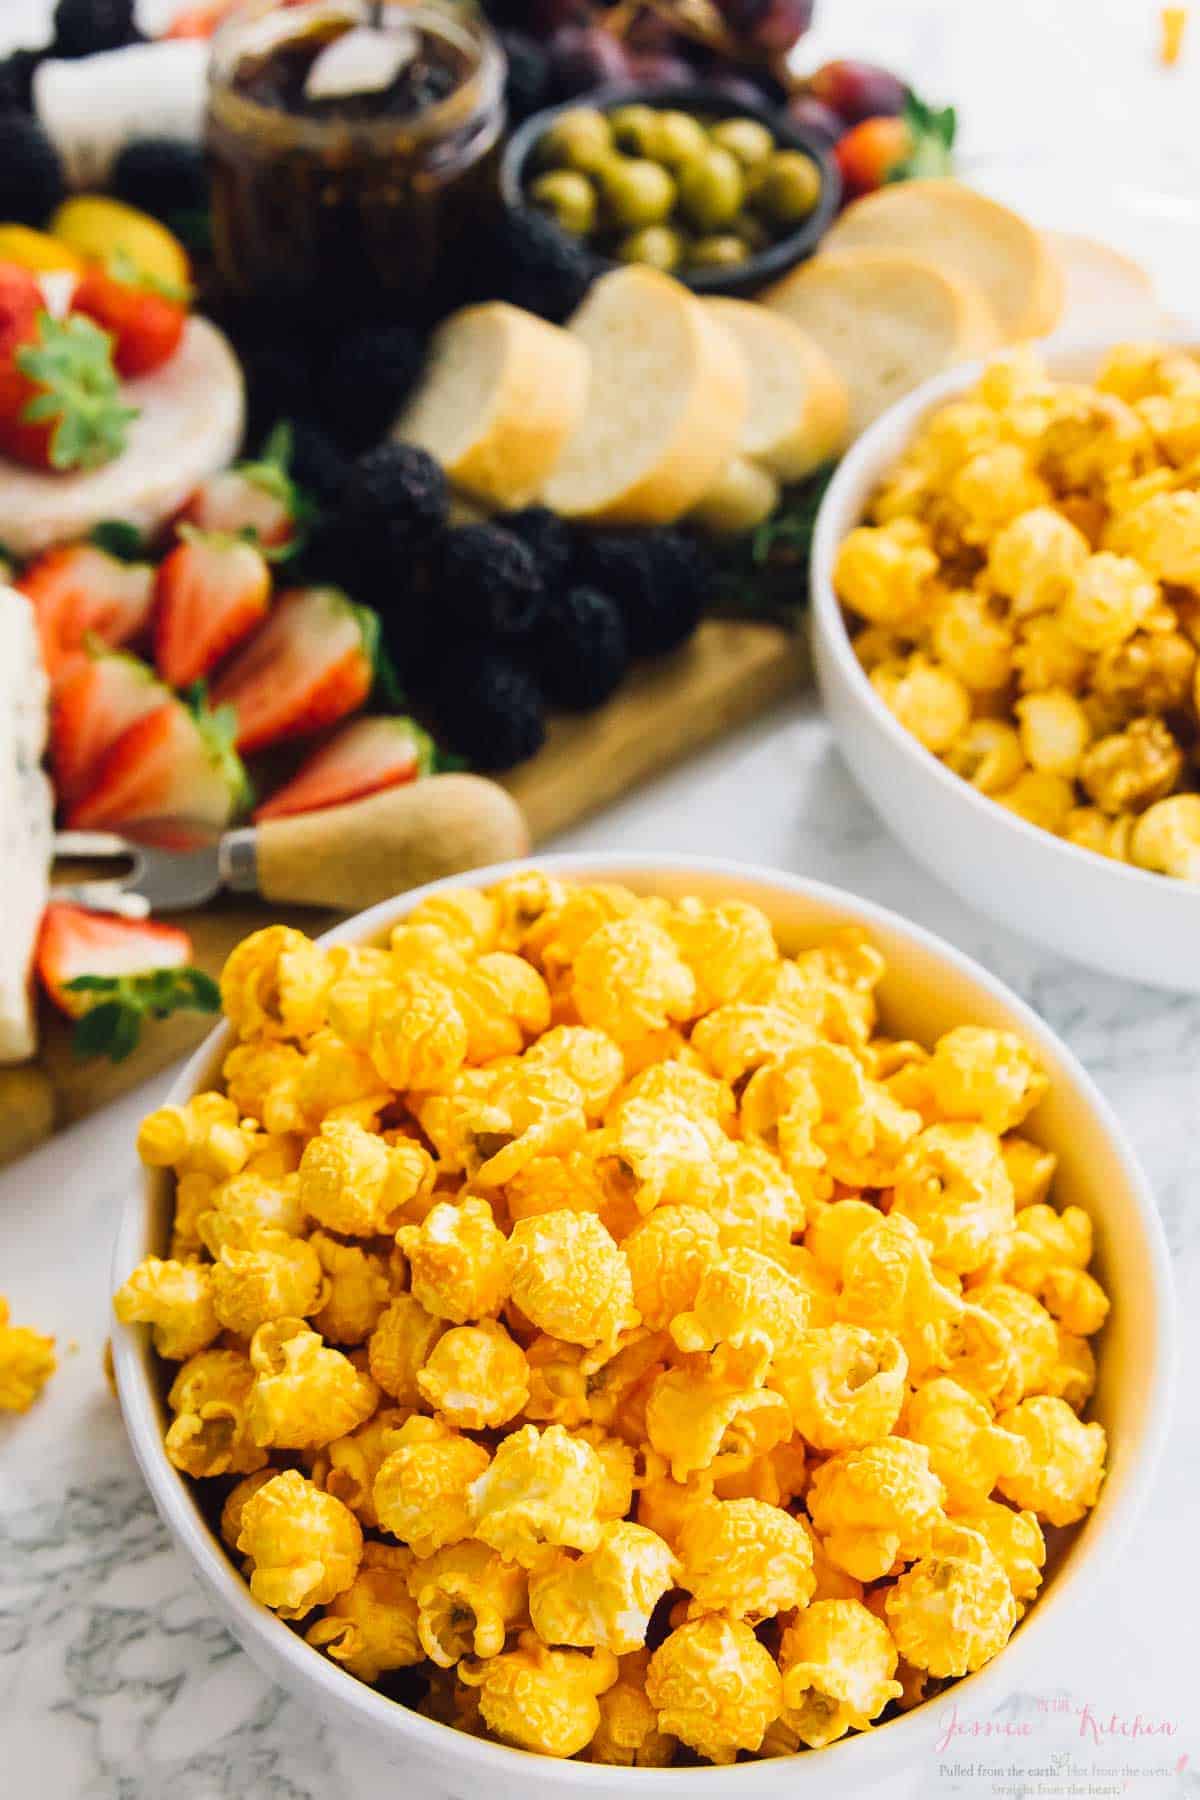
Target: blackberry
{"points": [[16, 80], [162, 177], [490, 583], [540, 267], [398, 494], [490, 709], [527, 89], [31, 176], [547, 535], [686, 571], [366, 383], [85, 27], [582, 649], [657, 578]]}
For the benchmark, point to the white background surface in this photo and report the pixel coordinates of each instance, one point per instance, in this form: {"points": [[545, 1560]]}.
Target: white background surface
{"points": [[114, 1681]]}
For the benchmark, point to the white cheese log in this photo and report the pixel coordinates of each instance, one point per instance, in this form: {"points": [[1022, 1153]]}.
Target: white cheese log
{"points": [[26, 821]]}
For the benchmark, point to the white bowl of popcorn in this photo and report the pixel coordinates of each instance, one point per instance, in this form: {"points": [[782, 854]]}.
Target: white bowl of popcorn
{"points": [[1020, 703], [854, 992]]}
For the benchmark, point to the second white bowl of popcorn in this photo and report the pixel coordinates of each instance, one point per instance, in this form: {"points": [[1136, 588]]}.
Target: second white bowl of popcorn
{"points": [[1008, 650], [589, 1317]]}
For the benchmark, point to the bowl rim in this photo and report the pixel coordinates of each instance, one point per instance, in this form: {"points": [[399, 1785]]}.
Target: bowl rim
{"points": [[290, 1661], [758, 271], [829, 623]]}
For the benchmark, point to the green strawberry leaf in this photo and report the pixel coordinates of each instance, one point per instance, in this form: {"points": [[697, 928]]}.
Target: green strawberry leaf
{"points": [[71, 364], [120, 539], [933, 130]]}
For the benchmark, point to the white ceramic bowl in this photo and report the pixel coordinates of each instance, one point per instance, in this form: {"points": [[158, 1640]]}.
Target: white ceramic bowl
{"points": [[1122, 920], [928, 988]]}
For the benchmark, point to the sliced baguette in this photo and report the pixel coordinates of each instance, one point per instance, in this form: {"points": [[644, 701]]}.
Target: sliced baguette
{"points": [[667, 403], [799, 411], [1104, 290], [502, 392], [968, 235], [887, 322]]}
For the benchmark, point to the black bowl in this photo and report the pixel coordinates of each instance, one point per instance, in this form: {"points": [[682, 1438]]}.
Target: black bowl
{"points": [[757, 271]]}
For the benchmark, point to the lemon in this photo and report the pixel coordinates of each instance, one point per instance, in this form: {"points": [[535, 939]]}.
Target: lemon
{"points": [[38, 251], [99, 229]]}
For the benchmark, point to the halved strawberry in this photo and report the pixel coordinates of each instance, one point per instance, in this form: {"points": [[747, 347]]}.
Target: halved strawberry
{"points": [[112, 973], [212, 591], [364, 758], [256, 499], [79, 592], [100, 699], [144, 320], [175, 762], [312, 664]]}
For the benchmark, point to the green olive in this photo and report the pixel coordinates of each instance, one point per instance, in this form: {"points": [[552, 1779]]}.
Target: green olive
{"points": [[633, 128], [569, 196], [657, 245], [711, 189], [721, 251], [579, 139], [636, 192], [752, 231], [786, 188], [746, 139], [678, 139]]}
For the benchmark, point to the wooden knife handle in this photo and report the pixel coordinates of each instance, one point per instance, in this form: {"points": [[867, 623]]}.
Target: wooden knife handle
{"points": [[353, 856]]}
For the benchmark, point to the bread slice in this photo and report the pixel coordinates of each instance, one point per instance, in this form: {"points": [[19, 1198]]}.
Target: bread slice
{"points": [[502, 392], [799, 412], [1105, 292], [968, 235], [667, 405], [886, 320]]}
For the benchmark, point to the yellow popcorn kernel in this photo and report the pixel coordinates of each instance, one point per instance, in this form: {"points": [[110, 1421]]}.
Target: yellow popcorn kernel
{"points": [[468, 1599], [884, 573], [744, 1299], [759, 1205], [628, 1736], [1073, 1377], [833, 1229], [1111, 598], [247, 1207], [504, 1003], [570, 1279], [726, 945], [1036, 560], [988, 754], [604, 1598], [981, 1355], [305, 1546], [529, 1112], [1041, 799], [1075, 1300], [860, 1130], [967, 1452], [617, 1464], [875, 1505], [1093, 439], [1014, 379], [235, 1504], [1014, 1539], [555, 938], [203, 1137], [664, 1504], [400, 1346], [954, 1609], [844, 1385], [1031, 1171], [476, 1376], [992, 488], [541, 1699], [347, 1467], [304, 1393], [776, 1476], [274, 985], [1060, 1479], [876, 644], [682, 1085], [889, 1284], [412, 1031], [1030, 1327], [1152, 672], [542, 1487], [629, 978], [371, 1627], [356, 1290], [1167, 837], [1054, 731], [992, 1077], [739, 1038], [457, 1259], [1136, 370], [210, 1433], [1129, 769], [1093, 830], [668, 1254], [27, 1361], [176, 1298], [469, 918], [744, 1558], [831, 1583], [422, 1489], [588, 1058], [975, 645], [565, 1183], [838, 1664], [353, 1183], [715, 1411], [292, 1091], [1163, 534], [1045, 657], [618, 1386], [521, 902], [657, 1152], [559, 1382], [714, 1687], [928, 701], [953, 1185], [275, 1277]]}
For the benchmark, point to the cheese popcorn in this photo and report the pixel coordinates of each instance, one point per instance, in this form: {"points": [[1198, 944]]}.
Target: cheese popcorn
{"points": [[885, 573], [714, 1687], [580, 1267], [304, 1546], [27, 1361]]}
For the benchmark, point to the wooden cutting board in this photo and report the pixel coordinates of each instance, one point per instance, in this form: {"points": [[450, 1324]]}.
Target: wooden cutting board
{"points": [[727, 674]]}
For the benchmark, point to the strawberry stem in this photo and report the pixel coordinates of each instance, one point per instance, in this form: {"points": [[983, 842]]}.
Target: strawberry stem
{"points": [[79, 397], [112, 1026]]}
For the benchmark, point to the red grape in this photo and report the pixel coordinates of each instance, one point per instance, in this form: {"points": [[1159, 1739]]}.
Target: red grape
{"points": [[768, 26], [583, 57], [813, 115], [859, 90]]}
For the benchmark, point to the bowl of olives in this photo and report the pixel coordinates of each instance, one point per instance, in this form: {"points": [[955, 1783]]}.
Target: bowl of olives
{"points": [[724, 196]]}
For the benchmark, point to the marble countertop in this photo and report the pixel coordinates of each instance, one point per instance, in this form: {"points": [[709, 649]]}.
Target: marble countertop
{"points": [[116, 1683]]}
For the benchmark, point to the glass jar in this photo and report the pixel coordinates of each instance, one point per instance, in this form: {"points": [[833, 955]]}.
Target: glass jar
{"points": [[362, 206]]}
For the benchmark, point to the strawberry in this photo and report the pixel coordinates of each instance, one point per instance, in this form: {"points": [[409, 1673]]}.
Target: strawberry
{"points": [[256, 499], [872, 153], [111, 973], [312, 664], [83, 591], [200, 21], [104, 694], [175, 762], [145, 320], [212, 592], [364, 758], [60, 400]]}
